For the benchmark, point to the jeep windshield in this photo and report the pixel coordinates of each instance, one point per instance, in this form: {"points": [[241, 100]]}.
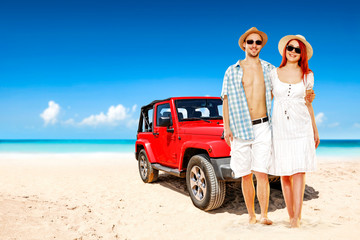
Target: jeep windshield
{"points": [[198, 109]]}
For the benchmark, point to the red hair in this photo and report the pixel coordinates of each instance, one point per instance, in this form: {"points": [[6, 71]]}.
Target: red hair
{"points": [[303, 61]]}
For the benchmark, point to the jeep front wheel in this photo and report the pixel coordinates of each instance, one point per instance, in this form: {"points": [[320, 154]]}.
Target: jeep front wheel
{"points": [[206, 191], [147, 173]]}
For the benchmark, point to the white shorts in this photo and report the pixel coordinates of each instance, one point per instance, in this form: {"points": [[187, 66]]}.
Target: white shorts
{"points": [[252, 155]]}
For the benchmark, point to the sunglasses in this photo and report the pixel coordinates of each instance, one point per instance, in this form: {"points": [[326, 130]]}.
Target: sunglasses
{"points": [[290, 48], [257, 42]]}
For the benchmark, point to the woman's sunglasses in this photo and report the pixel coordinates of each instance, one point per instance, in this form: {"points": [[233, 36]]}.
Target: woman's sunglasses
{"points": [[257, 42], [290, 48]]}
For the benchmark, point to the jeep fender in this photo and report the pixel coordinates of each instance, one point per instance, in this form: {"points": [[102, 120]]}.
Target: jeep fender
{"points": [[147, 146], [195, 145], [218, 149]]}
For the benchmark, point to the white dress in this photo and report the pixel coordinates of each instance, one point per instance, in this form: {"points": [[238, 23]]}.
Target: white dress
{"points": [[293, 136]]}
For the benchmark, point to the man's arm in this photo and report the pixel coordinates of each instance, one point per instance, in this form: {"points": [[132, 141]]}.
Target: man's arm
{"points": [[227, 132]]}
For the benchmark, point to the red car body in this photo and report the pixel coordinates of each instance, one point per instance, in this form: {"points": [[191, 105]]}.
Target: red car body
{"points": [[171, 148]]}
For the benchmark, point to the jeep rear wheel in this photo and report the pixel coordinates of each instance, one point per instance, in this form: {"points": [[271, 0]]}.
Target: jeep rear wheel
{"points": [[147, 173], [206, 191]]}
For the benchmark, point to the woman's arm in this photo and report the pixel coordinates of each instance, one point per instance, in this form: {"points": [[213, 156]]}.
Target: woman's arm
{"points": [[311, 111]]}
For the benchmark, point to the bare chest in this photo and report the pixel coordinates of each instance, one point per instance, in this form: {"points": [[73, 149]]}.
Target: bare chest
{"points": [[253, 77]]}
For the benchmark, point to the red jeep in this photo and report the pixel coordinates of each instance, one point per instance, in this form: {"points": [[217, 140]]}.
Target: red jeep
{"points": [[183, 136]]}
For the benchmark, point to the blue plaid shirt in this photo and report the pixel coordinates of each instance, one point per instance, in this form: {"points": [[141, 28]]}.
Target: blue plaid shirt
{"points": [[239, 115]]}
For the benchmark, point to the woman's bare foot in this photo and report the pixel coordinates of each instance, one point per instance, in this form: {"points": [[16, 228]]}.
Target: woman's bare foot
{"points": [[295, 223], [266, 221]]}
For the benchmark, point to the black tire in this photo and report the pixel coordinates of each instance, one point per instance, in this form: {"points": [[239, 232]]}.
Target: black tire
{"points": [[147, 173], [206, 191]]}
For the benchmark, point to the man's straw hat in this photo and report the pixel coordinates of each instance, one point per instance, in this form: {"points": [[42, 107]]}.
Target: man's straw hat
{"points": [[250, 31]]}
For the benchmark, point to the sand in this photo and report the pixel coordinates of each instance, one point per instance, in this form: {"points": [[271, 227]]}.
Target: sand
{"points": [[101, 196]]}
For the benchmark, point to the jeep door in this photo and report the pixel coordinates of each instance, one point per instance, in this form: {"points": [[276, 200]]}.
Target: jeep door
{"points": [[165, 141]]}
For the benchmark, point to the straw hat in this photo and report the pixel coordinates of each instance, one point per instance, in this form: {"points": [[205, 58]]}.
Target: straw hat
{"points": [[250, 31], [286, 39]]}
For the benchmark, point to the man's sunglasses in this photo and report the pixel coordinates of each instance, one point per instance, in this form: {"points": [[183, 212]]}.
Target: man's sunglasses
{"points": [[258, 42], [290, 48]]}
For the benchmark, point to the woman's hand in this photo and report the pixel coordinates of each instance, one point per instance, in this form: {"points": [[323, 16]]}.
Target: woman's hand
{"points": [[316, 138]]}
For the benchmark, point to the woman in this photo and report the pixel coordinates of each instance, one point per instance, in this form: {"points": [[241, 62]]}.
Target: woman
{"points": [[295, 135]]}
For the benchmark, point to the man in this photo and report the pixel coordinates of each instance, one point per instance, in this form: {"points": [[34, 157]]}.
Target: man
{"points": [[246, 95]]}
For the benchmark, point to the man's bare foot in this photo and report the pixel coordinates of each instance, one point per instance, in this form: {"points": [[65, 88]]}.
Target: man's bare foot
{"points": [[252, 219], [266, 221], [295, 223]]}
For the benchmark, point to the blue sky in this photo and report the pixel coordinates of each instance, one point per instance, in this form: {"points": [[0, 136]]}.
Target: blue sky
{"points": [[82, 69]]}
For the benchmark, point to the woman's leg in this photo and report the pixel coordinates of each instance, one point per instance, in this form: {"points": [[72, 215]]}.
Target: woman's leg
{"points": [[298, 191], [287, 190]]}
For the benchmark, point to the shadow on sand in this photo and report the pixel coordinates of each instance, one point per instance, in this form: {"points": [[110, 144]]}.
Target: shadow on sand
{"points": [[234, 201]]}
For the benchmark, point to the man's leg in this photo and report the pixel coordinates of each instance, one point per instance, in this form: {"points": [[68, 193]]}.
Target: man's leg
{"points": [[263, 193], [261, 152], [248, 191], [240, 164]]}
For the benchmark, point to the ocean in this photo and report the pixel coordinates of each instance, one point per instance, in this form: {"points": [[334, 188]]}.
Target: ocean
{"points": [[67, 146], [348, 148]]}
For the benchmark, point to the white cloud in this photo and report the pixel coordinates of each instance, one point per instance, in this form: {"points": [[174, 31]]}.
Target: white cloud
{"points": [[134, 108], [113, 117], [69, 122], [320, 117], [332, 125], [132, 123], [50, 114], [357, 125]]}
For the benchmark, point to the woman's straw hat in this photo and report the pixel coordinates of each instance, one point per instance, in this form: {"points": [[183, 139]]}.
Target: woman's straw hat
{"points": [[250, 31], [286, 39]]}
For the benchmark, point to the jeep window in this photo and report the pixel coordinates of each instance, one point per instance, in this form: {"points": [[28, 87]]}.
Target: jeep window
{"points": [[163, 111], [182, 112], [146, 119], [204, 112], [220, 109], [150, 119], [194, 109]]}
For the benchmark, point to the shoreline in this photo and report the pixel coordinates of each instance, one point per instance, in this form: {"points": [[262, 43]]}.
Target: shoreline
{"points": [[6, 154]]}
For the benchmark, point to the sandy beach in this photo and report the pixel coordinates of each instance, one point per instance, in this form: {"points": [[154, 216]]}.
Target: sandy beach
{"points": [[101, 196]]}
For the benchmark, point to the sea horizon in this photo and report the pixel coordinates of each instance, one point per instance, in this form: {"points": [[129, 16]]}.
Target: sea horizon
{"points": [[327, 147], [67, 145]]}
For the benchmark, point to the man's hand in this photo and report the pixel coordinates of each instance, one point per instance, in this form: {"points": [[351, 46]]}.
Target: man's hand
{"points": [[228, 136], [310, 96]]}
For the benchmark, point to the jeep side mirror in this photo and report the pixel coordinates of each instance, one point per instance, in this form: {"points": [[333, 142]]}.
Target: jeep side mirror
{"points": [[164, 122]]}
